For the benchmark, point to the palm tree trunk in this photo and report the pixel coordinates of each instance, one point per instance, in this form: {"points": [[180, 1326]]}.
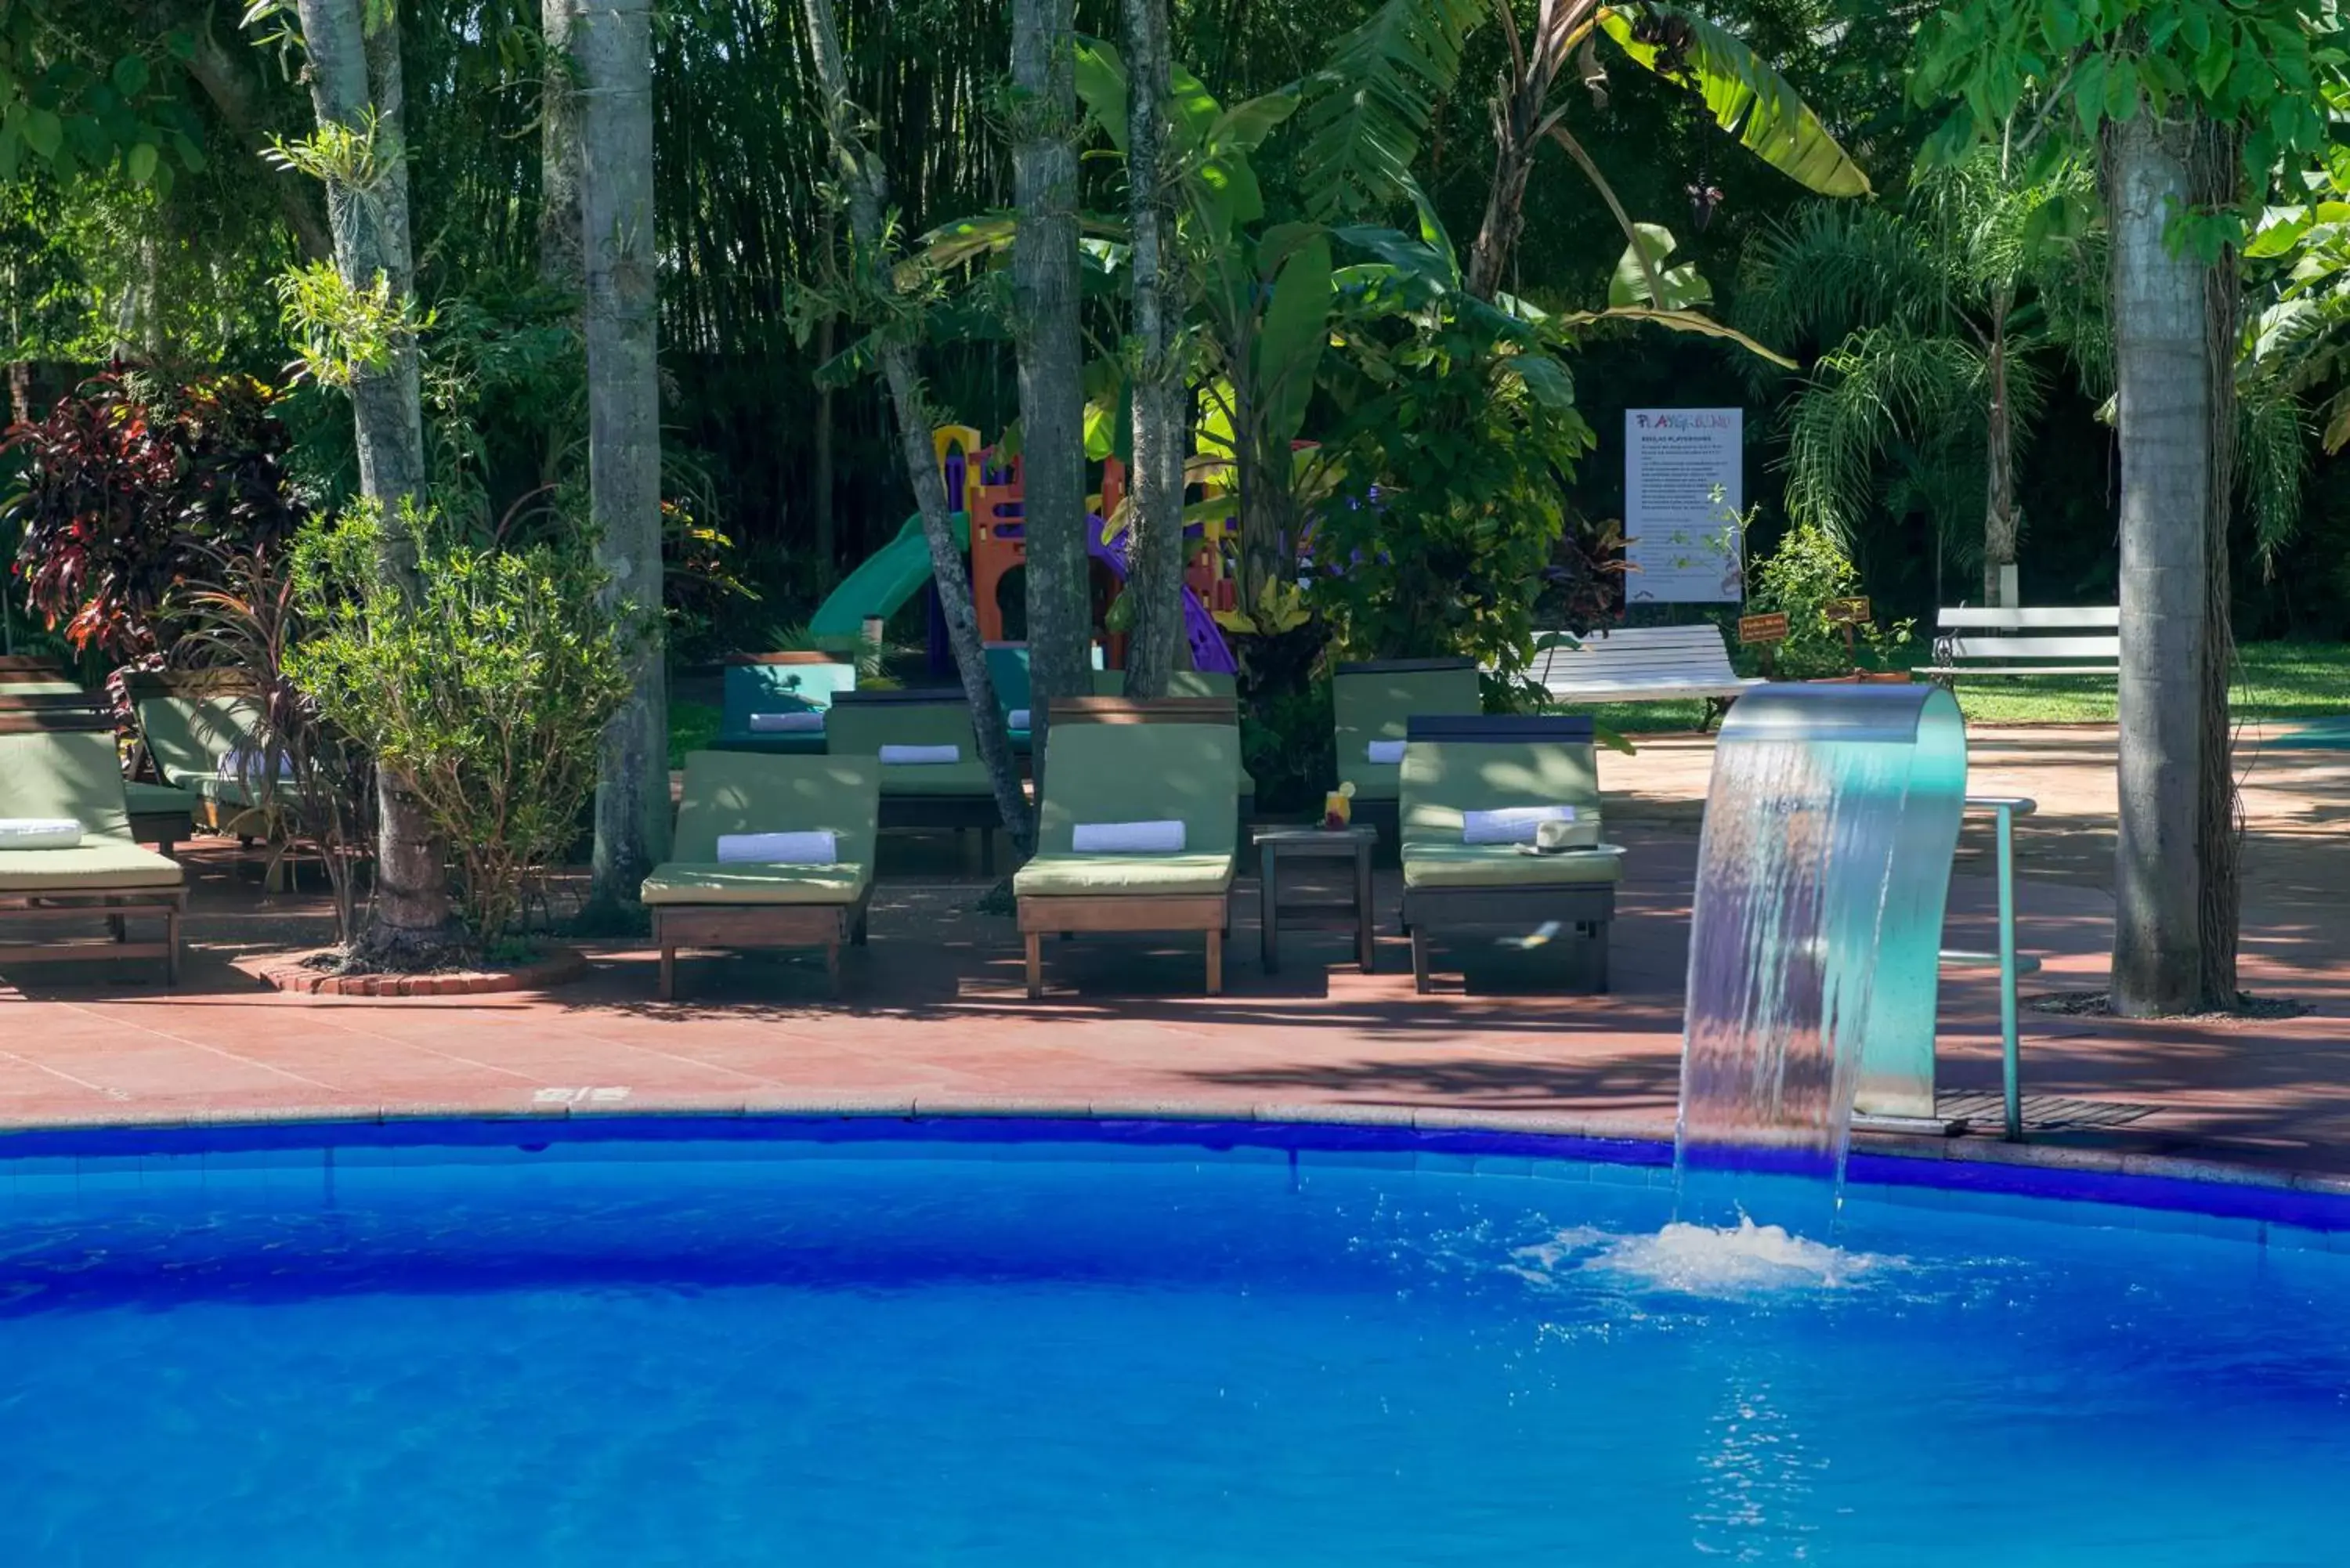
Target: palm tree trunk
{"points": [[355, 71], [1155, 505], [2165, 396], [1050, 354], [2000, 521], [613, 41], [869, 198]]}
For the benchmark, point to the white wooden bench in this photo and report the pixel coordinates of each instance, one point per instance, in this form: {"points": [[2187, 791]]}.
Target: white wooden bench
{"points": [[1969, 642], [1638, 664]]}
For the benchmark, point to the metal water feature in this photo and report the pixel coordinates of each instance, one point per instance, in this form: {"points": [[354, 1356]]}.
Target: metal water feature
{"points": [[1815, 937]]}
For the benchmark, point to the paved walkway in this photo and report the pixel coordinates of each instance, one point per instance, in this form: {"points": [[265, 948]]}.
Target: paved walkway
{"points": [[936, 1017]]}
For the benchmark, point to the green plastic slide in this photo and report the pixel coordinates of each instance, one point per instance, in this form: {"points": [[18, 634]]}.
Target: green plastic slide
{"points": [[891, 575]]}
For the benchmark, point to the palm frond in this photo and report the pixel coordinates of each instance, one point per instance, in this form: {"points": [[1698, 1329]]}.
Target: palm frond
{"points": [[1880, 386], [1369, 108]]}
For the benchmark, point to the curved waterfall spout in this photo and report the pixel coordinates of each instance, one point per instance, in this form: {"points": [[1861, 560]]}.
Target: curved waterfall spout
{"points": [[1815, 938]]}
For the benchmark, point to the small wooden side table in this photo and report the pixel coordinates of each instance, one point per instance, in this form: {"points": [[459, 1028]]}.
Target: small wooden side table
{"points": [[1275, 844]]}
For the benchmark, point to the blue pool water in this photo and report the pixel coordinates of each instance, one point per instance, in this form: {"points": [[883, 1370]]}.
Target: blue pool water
{"points": [[635, 1352]]}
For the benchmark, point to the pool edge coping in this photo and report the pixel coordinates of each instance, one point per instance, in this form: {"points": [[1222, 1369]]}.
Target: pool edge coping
{"points": [[2220, 1174]]}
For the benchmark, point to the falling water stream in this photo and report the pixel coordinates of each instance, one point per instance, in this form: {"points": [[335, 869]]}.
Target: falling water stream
{"points": [[1830, 824]]}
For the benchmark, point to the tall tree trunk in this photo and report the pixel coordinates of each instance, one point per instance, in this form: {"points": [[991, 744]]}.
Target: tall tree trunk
{"points": [[2164, 399], [562, 264], [1044, 117], [2000, 521], [2216, 171], [354, 70], [869, 198], [1155, 503], [612, 40], [234, 91]]}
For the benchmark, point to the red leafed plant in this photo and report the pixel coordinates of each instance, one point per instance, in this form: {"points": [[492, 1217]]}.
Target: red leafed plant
{"points": [[125, 485]]}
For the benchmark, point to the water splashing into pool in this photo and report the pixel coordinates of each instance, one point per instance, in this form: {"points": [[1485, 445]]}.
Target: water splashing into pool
{"points": [[1829, 828]]}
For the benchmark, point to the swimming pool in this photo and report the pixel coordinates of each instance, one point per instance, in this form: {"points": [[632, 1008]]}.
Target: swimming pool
{"points": [[885, 1344]]}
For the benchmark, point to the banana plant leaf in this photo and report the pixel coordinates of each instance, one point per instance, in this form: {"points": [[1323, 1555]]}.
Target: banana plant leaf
{"points": [[1746, 96], [1684, 288], [1679, 321]]}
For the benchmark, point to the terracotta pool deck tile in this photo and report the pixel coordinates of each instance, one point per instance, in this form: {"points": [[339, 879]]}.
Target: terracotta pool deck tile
{"points": [[936, 1015]]}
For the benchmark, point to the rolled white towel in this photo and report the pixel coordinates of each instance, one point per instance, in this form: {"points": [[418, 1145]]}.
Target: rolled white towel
{"points": [[39, 832], [1510, 824], [818, 847], [920, 757], [244, 764], [1159, 837], [1017, 718], [796, 721], [1385, 753]]}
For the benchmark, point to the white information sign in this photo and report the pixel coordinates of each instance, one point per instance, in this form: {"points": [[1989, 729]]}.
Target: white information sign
{"points": [[1684, 486]]}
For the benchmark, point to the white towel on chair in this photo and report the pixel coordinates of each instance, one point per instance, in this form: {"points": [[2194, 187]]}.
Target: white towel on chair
{"points": [[39, 832], [796, 721], [920, 757], [1510, 824], [1385, 753], [820, 848], [1159, 837], [1017, 718]]}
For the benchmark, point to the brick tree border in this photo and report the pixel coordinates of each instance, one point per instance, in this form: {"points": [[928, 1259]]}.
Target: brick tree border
{"points": [[289, 972]]}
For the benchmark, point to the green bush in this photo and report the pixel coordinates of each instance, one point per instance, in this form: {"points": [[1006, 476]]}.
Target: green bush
{"points": [[484, 694], [1452, 462], [1808, 569]]}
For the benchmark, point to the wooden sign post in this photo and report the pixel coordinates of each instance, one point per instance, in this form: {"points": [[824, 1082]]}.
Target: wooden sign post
{"points": [[1848, 614], [1765, 631]]}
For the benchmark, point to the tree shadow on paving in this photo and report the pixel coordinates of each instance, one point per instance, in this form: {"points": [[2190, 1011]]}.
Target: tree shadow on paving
{"points": [[1615, 1084]]}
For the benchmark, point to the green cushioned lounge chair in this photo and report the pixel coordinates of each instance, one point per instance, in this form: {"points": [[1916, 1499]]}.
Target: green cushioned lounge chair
{"points": [[1373, 702], [159, 814], [919, 797], [187, 732], [1114, 760], [781, 683], [1455, 766], [1212, 684], [698, 901], [64, 766]]}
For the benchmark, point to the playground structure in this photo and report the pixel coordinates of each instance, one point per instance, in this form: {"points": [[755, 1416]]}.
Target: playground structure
{"points": [[990, 498]]}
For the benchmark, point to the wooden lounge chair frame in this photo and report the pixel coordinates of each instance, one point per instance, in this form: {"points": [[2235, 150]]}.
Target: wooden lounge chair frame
{"points": [[116, 908], [1585, 909], [1207, 913], [748, 925]]}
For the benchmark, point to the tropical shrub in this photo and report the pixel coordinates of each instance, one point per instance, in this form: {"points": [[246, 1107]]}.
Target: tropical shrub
{"points": [[128, 484], [240, 620], [1807, 570], [1454, 457], [483, 695]]}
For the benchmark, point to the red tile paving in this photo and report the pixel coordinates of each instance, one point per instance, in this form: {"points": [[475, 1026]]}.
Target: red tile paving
{"points": [[935, 1017]]}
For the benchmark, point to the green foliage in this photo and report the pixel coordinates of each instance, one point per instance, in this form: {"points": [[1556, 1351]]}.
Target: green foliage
{"points": [[1369, 108], [2071, 66], [1287, 746], [1452, 453], [1745, 95], [128, 485], [1808, 569], [67, 109], [484, 696]]}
